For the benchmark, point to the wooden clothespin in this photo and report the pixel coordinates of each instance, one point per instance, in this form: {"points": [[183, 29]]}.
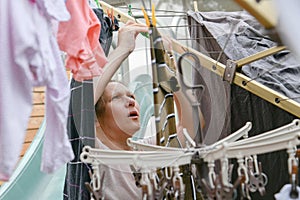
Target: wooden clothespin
{"points": [[110, 14], [196, 6], [294, 194]]}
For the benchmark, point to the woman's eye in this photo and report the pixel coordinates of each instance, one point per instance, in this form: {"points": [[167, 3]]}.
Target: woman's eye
{"points": [[132, 96], [115, 97]]}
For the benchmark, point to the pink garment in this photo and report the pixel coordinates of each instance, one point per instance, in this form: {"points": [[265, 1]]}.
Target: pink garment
{"points": [[29, 56], [79, 38]]}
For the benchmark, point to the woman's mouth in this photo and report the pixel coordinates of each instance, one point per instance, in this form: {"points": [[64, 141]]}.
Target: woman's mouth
{"points": [[133, 114]]}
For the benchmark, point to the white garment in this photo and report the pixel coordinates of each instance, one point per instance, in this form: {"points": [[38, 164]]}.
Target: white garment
{"points": [[29, 56], [119, 182], [284, 193], [289, 31]]}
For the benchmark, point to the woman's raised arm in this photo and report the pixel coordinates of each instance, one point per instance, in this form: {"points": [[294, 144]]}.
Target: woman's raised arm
{"points": [[126, 44]]}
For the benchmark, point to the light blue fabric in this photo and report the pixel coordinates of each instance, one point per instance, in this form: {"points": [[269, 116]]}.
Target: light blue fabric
{"points": [[28, 182], [143, 89]]}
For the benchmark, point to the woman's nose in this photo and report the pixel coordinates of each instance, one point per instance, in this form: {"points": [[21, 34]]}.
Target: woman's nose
{"points": [[130, 101]]}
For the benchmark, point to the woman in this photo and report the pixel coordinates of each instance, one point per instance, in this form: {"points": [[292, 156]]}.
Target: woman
{"points": [[118, 117]]}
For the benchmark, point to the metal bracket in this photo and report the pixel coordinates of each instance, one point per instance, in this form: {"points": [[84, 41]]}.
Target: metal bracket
{"points": [[229, 71]]}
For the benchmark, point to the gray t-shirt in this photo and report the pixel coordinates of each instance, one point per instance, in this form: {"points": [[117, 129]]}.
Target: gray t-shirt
{"points": [[119, 182]]}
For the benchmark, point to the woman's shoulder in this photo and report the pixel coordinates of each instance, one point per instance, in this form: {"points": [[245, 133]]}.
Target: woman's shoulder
{"points": [[99, 144]]}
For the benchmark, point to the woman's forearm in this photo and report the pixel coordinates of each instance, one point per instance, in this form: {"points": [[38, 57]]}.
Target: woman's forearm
{"points": [[115, 59], [126, 44]]}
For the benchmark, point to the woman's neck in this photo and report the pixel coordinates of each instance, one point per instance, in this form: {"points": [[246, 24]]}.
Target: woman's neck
{"points": [[109, 139]]}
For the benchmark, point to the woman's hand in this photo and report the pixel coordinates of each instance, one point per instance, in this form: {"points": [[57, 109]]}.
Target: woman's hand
{"points": [[128, 33]]}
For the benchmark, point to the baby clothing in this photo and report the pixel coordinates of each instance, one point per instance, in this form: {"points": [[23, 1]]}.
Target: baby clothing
{"points": [[78, 37], [30, 57]]}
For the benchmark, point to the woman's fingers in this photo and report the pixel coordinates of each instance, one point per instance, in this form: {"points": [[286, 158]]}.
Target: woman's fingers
{"points": [[133, 26]]}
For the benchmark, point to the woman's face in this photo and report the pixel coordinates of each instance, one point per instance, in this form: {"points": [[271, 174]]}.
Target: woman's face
{"points": [[121, 109]]}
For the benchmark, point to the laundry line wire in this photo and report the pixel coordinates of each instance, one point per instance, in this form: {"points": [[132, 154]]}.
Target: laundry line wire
{"points": [[156, 10]]}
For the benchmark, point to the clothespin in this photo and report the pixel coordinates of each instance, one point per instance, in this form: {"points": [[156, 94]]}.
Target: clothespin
{"points": [[137, 175], [220, 191], [178, 183], [98, 4], [148, 21], [294, 182], [146, 17], [195, 6], [153, 15], [110, 14], [257, 179], [129, 10], [211, 173], [146, 186], [95, 194], [242, 173]]}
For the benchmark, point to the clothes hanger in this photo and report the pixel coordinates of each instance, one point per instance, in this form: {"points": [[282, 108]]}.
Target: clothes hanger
{"points": [[145, 161], [277, 139], [139, 159], [242, 132], [266, 142], [278, 133], [194, 100]]}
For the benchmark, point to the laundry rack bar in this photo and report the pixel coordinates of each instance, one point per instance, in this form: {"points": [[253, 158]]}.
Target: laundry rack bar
{"points": [[263, 11]]}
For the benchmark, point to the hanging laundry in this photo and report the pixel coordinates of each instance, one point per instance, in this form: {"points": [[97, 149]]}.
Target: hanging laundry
{"points": [[78, 37], [108, 25], [81, 120], [30, 57]]}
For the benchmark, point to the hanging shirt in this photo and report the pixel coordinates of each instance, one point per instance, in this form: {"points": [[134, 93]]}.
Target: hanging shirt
{"points": [[78, 37], [29, 56], [81, 120]]}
